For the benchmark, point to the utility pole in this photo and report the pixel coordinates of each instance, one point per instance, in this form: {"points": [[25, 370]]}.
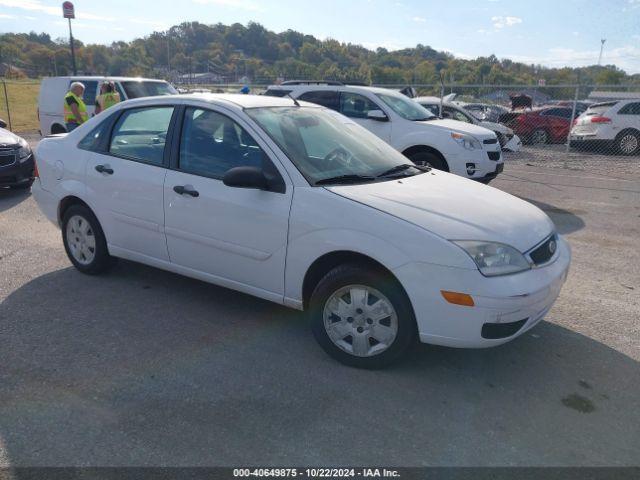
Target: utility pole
{"points": [[602, 41], [68, 12]]}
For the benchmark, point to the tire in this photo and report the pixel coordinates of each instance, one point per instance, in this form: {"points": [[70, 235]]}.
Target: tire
{"points": [[539, 137], [22, 186], [84, 241], [395, 323], [628, 143], [57, 128], [429, 159]]}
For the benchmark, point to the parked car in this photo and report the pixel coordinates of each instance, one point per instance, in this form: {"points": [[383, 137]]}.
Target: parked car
{"points": [[16, 160], [297, 204], [507, 139], [540, 125], [581, 105], [53, 90], [464, 149], [610, 125], [485, 111]]}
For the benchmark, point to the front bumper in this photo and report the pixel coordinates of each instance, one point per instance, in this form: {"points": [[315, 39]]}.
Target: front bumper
{"points": [[476, 164], [504, 300], [18, 173]]}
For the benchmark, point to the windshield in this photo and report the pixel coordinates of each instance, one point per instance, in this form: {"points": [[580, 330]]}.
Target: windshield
{"points": [[137, 89], [324, 145], [406, 108]]}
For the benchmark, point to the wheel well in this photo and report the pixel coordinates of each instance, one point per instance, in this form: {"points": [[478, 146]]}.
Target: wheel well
{"points": [[57, 128], [628, 130], [329, 261], [425, 148], [66, 202]]}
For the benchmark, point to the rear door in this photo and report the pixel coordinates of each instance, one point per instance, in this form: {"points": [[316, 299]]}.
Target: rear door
{"points": [[125, 182], [237, 236]]}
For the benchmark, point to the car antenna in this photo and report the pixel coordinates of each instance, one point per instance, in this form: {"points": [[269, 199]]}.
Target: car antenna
{"points": [[295, 102]]}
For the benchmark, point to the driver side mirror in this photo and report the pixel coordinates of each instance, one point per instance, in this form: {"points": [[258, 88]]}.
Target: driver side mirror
{"points": [[3, 124], [246, 177], [377, 115]]}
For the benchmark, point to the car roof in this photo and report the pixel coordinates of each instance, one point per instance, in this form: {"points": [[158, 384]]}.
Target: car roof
{"points": [[233, 100], [346, 87], [79, 78]]}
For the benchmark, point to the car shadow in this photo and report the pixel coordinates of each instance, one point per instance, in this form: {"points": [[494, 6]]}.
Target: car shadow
{"points": [[9, 198], [565, 221], [144, 367]]}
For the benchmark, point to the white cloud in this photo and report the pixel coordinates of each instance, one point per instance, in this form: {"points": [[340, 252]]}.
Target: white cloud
{"points": [[4, 16], [241, 4], [37, 6], [501, 22], [419, 19]]}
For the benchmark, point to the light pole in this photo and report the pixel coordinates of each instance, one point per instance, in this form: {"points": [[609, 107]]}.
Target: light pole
{"points": [[602, 41], [68, 12]]}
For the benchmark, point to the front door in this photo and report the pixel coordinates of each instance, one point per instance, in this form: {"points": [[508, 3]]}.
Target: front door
{"points": [[238, 236], [126, 182], [357, 107]]}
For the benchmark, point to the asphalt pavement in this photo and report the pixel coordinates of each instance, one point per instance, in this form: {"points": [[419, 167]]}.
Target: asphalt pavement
{"points": [[144, 367]]}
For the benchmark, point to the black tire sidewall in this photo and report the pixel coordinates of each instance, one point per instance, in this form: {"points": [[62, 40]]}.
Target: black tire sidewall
{"points": [[433, 159], [351, 274], [102, 260]]}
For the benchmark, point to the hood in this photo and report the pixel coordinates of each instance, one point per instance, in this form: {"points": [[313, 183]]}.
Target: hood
{"points": [[455, 208], [496, 127], [477, 131], [8, 138]]}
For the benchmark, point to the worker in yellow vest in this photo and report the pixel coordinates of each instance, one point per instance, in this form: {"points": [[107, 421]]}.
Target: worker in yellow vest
{"points": [[75, 111], [108, 97]]}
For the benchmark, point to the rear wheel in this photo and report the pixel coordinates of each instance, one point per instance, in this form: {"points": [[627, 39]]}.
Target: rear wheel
{"points": [[428, 159], [539, 137], [84, 241], [362, 317], [628, 143]]}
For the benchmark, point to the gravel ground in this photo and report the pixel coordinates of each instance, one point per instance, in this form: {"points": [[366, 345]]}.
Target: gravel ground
{"points": [[143, 367]]}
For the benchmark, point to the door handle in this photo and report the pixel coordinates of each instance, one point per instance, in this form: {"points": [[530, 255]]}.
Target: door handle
{"points": [[183, 190], [104, 169]]}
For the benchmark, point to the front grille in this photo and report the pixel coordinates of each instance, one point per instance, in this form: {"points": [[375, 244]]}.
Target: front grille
{"points": [[7, 157], [7, 180], [495, 156], [490, 141], [544, 252]]}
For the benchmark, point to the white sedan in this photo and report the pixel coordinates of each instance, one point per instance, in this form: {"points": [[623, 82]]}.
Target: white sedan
{"points": [[296, 204]]}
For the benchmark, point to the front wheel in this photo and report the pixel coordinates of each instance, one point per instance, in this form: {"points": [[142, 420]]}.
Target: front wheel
{"points": [[539, 137], [84, 241], [428, 159], [362, 317]]}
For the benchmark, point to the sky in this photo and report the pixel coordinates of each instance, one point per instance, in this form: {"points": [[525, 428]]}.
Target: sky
{"points": [[549, 32]]}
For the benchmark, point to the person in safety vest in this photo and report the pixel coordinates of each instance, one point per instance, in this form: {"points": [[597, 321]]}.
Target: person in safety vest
{"points": [[75, 111], [108, 97]]}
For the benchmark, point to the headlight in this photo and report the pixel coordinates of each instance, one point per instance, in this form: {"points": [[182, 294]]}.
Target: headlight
{"points": [[24, 151], [466, 141], [494, 258]]}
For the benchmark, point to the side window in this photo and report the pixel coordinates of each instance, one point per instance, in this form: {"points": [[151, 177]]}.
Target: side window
{"points": [[558, 112], [326, 98], [630, 109], [356, 106], [140, 134], [90, 89], [95, 139], [461, 117], [435, 109], [212, 143], [120, 91]]}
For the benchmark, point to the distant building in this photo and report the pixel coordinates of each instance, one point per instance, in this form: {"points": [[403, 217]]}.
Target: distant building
{"points": [[608, 96]]}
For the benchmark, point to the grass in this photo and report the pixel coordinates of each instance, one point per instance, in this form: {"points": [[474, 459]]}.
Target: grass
{"points": [[23, 104]]}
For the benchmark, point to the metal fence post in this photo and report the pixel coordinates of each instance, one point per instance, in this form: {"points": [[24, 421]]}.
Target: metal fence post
{"points": [[6, 101], [573, 115]]}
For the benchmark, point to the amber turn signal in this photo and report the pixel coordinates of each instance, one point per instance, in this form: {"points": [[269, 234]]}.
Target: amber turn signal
{"points": [[458, 298]]}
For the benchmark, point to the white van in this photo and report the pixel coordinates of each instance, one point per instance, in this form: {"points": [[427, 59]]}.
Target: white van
{"points": [[53, 90]]}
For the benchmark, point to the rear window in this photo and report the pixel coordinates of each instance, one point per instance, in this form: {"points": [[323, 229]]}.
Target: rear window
{"points": [[136, 89], [599, 108], [277, 93]]}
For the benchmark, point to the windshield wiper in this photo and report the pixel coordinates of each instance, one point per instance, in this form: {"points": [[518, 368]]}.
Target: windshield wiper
{"points": [[397, 169], [425, 119], [349, 178]]}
